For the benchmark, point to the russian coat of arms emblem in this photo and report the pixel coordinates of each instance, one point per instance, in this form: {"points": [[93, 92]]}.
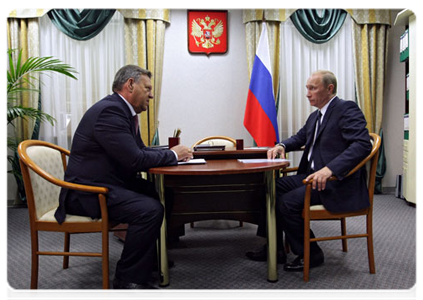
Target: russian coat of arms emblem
{"points": [[207, 31]]}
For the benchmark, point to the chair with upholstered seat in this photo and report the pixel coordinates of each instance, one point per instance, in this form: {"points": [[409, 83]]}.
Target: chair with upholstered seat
{"points": [[43, 165], [318, 212]]}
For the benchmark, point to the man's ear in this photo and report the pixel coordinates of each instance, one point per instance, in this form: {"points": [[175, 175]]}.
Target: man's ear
{"points": [[130, 84], [330, 88]]}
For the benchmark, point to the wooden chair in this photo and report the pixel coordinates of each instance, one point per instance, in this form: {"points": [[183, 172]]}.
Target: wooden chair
{"points": [[217, 140], [318, 212], [43, 165]]}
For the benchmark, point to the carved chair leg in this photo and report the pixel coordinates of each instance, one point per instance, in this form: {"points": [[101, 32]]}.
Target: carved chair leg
{"points": [[66, 249], [344, 232]]}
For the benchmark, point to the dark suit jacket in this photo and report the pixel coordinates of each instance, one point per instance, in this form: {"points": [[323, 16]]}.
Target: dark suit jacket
{"points": [[341, 143], [107, 152]]}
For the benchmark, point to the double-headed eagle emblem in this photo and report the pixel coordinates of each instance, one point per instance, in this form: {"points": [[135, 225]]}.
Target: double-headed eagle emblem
{"points": [[206, 32]]}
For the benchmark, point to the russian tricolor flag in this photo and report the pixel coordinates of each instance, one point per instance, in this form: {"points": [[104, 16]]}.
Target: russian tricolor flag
{"points": [[260, 113]]}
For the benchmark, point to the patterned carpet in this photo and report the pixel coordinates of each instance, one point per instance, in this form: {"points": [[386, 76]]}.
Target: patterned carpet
{"points": [[212, 256]]}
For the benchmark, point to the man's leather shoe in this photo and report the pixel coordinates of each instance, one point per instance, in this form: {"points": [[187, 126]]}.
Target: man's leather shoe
{"points": [[297, 265], [170, 264], [136, 290], [261, 255]]}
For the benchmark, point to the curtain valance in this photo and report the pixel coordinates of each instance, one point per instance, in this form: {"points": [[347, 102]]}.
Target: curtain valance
{"points": [[146, 14], [371, 16], [28, 13], [141, 14], [360, 16], [276, 15]]}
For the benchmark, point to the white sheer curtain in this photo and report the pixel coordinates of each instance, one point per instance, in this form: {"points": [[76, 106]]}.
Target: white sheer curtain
{"points": [[96, 61], [299, 58]]}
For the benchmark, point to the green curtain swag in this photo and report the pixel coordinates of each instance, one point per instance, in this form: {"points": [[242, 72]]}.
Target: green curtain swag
{"points": [[81, 25], [318, 27]]}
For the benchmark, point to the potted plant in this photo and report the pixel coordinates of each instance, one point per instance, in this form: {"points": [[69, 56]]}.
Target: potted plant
{"points": [[19, 74]]}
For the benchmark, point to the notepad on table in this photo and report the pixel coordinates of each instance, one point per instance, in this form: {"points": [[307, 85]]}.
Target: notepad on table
{"points": [[193, 161]]}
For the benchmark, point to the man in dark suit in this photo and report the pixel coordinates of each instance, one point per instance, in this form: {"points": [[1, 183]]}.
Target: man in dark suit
{"points": [[336, 140], [107, 150]]}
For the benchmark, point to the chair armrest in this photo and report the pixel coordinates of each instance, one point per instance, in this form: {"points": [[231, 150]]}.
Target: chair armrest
{"points": [[285, 172], [332, 178], [289, 170], [82, 187]]}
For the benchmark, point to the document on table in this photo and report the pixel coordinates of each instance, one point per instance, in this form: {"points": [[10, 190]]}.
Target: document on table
{"points": [[193, 161], [257, 148], [262, 160]]}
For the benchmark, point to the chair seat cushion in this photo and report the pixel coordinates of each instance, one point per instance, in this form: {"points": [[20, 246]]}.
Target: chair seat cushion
{"points": [[317, 207], [49, 217]]}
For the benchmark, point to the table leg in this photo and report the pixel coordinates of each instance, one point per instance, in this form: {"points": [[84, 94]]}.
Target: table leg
{"points": [[272, 264], [162, 248]]}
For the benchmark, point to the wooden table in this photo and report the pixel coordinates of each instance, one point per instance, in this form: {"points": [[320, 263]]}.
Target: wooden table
{"points": [[219, 189]]}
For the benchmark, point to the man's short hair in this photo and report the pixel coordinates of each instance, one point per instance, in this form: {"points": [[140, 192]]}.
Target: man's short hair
{"points": [[328, 78], [126, 72]]}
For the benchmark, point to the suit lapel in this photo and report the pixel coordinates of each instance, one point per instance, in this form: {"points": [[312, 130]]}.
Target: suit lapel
{"points": [[311, 129], [327, 116]]}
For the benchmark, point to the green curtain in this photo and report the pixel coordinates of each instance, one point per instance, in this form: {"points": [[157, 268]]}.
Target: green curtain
{"points": [[381, 166], [81, 25], [318, 26]]}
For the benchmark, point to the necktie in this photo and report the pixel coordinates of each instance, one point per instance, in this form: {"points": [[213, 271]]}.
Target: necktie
{"points": [[136, 123], [318, 123]]}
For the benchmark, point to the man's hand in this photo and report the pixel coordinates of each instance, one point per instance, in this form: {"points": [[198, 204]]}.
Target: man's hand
{"points": [[184, 153], [275, 151], [320, 178]]}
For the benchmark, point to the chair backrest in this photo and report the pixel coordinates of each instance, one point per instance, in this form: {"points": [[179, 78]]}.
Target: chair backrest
{"points": [[373, 157], [41, 163], [217, 140]]}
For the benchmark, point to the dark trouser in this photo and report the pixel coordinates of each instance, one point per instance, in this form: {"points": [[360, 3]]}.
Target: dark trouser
{"points": [[290, 193], [141, 209]]}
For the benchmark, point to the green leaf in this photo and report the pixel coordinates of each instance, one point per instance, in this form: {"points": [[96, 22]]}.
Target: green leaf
{"points": [[18, 82]]}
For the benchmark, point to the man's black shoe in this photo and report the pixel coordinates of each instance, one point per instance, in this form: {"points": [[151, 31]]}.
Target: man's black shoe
{"points": [[135, 290], [261, 255], [297, 265], [170, 264]]}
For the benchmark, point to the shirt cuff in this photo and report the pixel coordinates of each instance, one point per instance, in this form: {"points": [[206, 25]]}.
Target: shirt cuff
{"points": [[176, 155]]}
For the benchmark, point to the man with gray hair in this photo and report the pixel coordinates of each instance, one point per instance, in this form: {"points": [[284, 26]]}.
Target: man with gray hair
{"points": [[107, 150], [335, 140]]}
